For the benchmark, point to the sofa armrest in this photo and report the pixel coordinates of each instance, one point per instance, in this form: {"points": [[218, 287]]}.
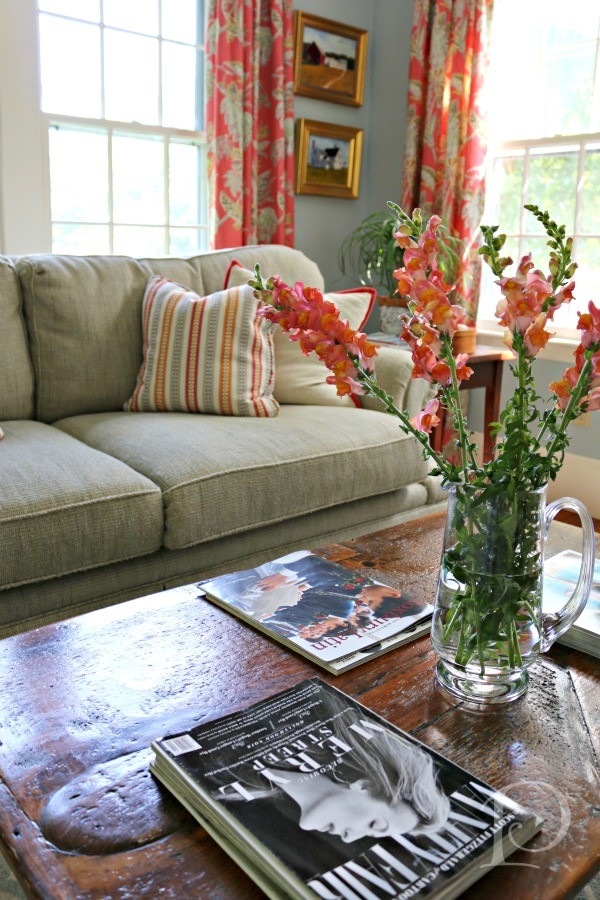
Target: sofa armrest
{"points": [[393, 369]]}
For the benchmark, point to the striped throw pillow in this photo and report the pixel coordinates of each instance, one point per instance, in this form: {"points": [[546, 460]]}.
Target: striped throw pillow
{"points": [[204, 354]]}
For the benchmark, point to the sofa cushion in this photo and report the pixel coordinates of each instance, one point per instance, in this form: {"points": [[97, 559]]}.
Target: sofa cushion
{"points": [[204, 354], [205, 274], [83, 315], [16, 373], [224, 475], [65, 507]]}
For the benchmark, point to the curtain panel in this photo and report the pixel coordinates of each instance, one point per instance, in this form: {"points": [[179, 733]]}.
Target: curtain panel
{"points": [[446, 141], [250, 122]]}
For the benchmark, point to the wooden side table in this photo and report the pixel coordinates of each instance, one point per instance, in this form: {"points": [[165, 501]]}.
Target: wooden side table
{"points": [[487, 364]]}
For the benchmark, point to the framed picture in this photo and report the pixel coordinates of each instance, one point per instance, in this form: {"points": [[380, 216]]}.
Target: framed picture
{"points": [[327, 159], [329, 59]]}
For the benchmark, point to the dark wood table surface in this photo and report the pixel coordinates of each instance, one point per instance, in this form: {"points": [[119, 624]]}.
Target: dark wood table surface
{"points": [[81, 700]]}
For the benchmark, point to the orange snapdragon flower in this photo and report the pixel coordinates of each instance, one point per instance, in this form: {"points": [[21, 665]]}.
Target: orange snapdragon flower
{"points": [[589, 325], [433, 315], [315, 323], [427, 419], [528, 304]]}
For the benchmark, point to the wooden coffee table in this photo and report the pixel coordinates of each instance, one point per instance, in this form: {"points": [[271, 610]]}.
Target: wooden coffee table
{"points": [[81, 700]]}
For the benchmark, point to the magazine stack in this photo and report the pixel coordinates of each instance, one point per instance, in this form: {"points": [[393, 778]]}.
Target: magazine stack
{"points": [[314, 795]]}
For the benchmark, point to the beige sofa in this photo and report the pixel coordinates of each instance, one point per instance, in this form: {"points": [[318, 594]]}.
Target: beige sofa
{"points": [[98, 505]]}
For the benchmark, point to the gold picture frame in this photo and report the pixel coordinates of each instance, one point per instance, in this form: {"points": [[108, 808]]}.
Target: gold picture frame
{"points": [[329, 59], [328, 159]]}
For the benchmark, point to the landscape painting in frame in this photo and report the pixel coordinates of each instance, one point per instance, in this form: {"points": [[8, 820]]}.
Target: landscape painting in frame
{"points": [[328, 159], [329, 59]]}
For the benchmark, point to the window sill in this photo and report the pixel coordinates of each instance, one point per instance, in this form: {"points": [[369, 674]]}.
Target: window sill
{"points": [[558, 349]]}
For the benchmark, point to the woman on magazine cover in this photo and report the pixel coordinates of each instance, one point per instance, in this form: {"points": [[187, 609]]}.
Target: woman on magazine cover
{"points": [[380, 786]]}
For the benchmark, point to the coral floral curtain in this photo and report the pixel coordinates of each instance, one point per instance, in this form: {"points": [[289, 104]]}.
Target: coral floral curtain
{"points": [[250, 121], [446, 131]]}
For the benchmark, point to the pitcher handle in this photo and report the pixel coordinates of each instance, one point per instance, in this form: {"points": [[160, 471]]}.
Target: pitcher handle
{"points": [[555, 624]]}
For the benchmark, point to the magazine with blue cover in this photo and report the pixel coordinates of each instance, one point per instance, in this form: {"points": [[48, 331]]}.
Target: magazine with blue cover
{"points": [[561, 573]]}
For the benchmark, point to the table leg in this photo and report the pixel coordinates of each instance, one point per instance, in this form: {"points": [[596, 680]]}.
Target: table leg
{"points": [[492, 410]]}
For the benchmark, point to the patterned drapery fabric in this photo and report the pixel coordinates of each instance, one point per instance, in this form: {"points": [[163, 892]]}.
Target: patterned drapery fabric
{"points": [[250, 122], [446, 128]]}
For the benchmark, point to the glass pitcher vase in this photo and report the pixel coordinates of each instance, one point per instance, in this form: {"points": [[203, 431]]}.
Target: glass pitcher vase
{"points": [[488, 624]]}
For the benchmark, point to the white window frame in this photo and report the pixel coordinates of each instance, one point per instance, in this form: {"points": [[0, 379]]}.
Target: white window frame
{"points": [[561, 346], [24, 165], [25, 209]]}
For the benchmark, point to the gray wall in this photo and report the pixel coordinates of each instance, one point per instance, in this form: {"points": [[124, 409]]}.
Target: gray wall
{"points": [[323, 222]]}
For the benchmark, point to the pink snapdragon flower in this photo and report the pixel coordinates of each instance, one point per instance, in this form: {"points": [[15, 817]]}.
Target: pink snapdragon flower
{"points": [[427, 419], [434, 318], [593, 399], [589, 325], [528, 304], [315, 323]]}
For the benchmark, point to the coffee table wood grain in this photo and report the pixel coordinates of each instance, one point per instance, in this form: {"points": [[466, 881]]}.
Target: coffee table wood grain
{"points": [[81, 700]]}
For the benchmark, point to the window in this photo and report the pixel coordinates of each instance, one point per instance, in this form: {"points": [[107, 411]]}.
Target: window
{"points": [[122, 99], [545, 137]]}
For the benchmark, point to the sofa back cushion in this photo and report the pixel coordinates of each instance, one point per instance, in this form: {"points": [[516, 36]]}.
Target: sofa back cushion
{"points": [[205, 274], [84, 318], [16, 373]]}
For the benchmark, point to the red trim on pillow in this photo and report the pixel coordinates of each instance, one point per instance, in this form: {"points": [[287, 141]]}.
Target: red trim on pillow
{"points": [[232, 265], [361, 290]]}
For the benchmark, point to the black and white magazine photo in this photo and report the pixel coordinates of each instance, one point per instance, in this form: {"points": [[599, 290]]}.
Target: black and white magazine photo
{"points": [[331, 798]]}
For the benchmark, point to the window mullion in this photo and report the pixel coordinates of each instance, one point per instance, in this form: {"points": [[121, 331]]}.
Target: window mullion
{"points": [[167, 198], [524, 193], [160, 64], [102, 88], [579, 196], [200, 31], [111, 211], [595, 102]]}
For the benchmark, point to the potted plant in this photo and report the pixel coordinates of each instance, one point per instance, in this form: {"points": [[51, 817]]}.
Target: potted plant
{"points": [[371, 254]]}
